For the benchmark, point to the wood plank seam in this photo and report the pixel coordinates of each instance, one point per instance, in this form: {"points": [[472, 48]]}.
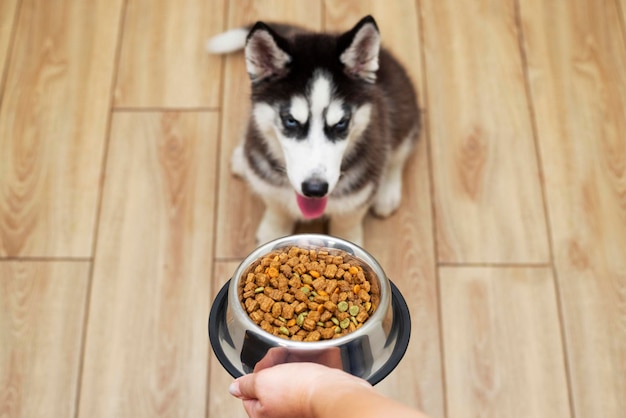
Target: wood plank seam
{"points": [[426, 136], [96, 226], [217, 168], [542, 188], [148, 109], [496, 265], [9, 52], [46, 259], [622, 16]]}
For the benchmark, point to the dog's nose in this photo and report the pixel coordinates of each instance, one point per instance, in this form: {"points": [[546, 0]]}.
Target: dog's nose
{"points": [[314, 188]]}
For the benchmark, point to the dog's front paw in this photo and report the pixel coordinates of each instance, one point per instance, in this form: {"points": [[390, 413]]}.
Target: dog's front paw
{"points": [[388, 199], [354, 233], [272, 226], [238, 162]]}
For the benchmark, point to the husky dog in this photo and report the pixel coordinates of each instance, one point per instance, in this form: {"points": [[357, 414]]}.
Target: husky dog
{"points": [[333, 120]]}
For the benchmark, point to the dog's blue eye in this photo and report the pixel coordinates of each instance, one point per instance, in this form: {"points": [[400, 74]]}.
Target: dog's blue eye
{"points": [[342, 124], [289, 122]]}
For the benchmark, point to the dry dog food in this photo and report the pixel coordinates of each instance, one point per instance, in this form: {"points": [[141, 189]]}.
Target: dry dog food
{"points": [[308, 295]]}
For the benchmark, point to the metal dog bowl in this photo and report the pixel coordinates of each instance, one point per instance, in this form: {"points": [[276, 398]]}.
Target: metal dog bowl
{"points": [[371, 352]]}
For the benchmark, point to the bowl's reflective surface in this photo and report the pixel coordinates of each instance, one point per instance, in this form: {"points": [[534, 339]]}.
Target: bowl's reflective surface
{"points": [[241, 345]]}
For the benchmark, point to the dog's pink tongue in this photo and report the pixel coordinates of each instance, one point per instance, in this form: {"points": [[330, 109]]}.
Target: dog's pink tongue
{"points": [[311, 208]]}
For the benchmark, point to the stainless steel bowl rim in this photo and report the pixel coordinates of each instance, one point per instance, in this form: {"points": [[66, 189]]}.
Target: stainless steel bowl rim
{"points": [[331, 244]]}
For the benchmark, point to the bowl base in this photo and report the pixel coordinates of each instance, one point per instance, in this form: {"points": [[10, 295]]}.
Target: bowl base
{"points": [[223, 347]]}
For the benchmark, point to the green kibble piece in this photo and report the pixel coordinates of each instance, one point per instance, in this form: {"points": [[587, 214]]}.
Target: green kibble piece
{"points": [[353, 319], [337, 330], [335, 320], [311, 298], [314, 293], [354, 310], [306, 279], [281, 319], [300, 319], [259, 289], [305, 290], [320, 324], [283, 330], [345, 323], [342, 306]]}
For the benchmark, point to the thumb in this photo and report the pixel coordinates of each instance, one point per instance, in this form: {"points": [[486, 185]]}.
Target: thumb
{"points": [[244, 387]]}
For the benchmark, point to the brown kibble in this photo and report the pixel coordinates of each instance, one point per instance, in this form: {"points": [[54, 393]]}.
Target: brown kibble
{"points": [[313, 305], [301, 307], [319, 283], [300, 295], [261, 279], [288, 311], [314, 315], [331, 306], [283, 283], [265, 303], [331, 285], [342, 315], [313, 336], [362, 316], [325, 316], [363, 295], [275, 294], [330, 271], [308, 284], [277, 310], [251, 305], [256, 316], [328, 333], [309, 324], [267, 327]]}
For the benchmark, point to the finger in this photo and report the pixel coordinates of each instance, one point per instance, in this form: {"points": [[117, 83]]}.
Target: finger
{"points": [[274, 356], [251, 406], [244, 387]]}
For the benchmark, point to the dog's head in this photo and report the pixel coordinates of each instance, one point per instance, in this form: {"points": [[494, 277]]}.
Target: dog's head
{"points": [[311, 98]]}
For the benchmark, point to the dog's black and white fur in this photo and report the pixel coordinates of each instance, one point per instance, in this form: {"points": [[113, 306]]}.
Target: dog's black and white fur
{"points": [[334, 118]]}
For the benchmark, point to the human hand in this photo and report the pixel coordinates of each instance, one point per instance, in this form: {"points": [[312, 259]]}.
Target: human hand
{"points": [[292, 389]]}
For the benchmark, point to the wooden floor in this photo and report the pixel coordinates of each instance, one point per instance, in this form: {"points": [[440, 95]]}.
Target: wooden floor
{"points": [[120, 220]]}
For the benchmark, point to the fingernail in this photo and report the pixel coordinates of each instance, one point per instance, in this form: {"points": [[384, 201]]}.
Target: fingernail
{"points": [[233, 389]]}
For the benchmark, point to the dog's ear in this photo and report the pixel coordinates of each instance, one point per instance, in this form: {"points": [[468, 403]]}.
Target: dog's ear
{"points": [[359, 48], [267, 53]]}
